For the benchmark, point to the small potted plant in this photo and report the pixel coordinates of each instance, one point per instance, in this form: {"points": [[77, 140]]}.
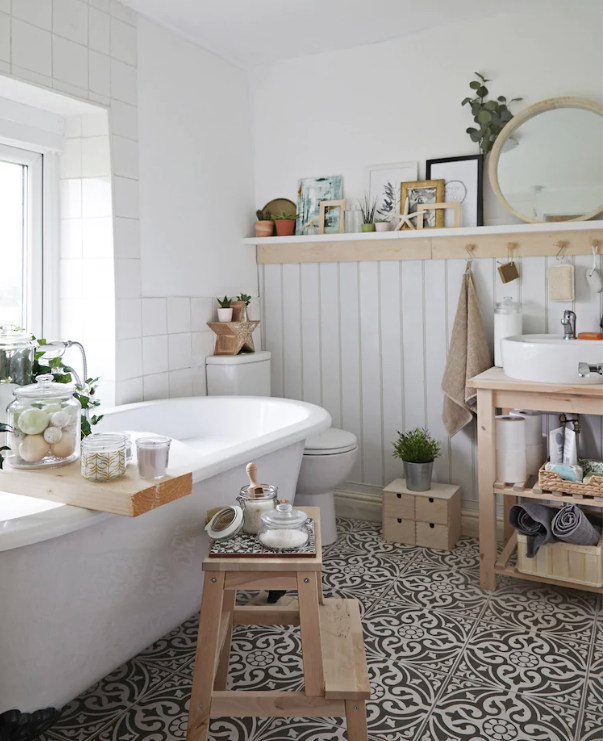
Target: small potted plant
{"points": [[418, 450], [285, 224], [264, 226], [368, 209], [245, 298], [225, 310], [382, 225]]}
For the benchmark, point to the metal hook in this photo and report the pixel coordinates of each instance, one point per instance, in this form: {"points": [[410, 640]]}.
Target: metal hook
{"points": [[561, 246], [511, 247], [469, 250]]}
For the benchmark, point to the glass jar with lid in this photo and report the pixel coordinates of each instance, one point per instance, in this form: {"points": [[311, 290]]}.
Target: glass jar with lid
{"points": [[255, 504], [104, 456], [508, 322], [284, 529], [17, 351], [46, 422]]}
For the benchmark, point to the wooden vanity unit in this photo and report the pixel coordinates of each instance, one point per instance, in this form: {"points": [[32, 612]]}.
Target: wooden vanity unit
{"points": [[495, 393]]}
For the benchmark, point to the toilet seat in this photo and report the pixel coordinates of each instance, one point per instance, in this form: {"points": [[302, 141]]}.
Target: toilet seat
{"points": [[330, 442]]}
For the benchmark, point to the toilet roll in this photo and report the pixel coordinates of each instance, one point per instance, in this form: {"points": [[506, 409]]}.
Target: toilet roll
{"points": [[535, 456], [511, 466], [533, 425], [510, 433]]}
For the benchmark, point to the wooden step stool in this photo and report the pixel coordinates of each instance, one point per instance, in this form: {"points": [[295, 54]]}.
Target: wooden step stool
{"points": [[335, 672]]}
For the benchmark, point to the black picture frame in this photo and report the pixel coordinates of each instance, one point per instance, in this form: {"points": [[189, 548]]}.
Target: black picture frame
{"points": [[479, 185]]}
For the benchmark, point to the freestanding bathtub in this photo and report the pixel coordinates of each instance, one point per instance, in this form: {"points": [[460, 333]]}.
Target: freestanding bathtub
{"points": [[81, 591]]}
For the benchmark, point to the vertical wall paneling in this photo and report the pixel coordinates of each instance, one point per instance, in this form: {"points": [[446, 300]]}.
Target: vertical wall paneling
{"points": [[413, 345], [329, 340], [310, 292], [273, 319], [292, 338], [484, 271], [349, 343], [391, 364], [435, 320], [534, 295], [262, 287], [370, 358], [556, 308]]}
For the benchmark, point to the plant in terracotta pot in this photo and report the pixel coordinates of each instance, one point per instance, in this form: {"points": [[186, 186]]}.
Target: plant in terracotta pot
{"points": [[418, 450], [264, 226], [285, 224], [368, 209], [225, 310], [382, 225]]}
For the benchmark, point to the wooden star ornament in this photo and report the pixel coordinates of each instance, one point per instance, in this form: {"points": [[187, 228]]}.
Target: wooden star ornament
{"points": [[236, 336]]}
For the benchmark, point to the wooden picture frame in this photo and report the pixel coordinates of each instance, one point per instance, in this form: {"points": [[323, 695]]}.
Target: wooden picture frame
{"points": [[464, 177], [324, 205], [456, 207], [434, 193]]}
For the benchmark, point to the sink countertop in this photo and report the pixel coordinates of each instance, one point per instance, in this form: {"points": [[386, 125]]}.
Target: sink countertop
{"points": [[495, 379]]}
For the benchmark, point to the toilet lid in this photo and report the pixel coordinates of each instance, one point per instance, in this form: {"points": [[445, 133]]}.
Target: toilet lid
{"points": [[329, 442]]}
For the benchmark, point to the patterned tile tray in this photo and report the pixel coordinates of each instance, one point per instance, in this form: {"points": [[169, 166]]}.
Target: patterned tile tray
{"points": [[243, 545]]}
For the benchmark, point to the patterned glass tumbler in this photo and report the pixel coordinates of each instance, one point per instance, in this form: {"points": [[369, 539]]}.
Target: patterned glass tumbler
{"points": [[103, 456]]}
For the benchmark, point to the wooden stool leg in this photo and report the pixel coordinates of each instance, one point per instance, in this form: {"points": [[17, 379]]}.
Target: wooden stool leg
{"points": [[355, 713], [309, 620], [206, 656], [228, 605], [508, 502]]}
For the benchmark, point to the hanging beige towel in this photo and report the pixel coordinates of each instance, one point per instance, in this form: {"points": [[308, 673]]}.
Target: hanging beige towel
{"points": [[469, 355]]}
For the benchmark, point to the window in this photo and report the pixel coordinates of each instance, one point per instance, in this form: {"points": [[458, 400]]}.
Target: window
{"points": [[21, 267]]}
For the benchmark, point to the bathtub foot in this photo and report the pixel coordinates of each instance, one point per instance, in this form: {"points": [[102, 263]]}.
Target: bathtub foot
{"points": [[18, 726]]}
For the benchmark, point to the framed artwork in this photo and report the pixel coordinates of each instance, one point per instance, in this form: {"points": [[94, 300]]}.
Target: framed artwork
{"points": [[455, 207], [464, 179], [423, 191], [310, 192], [383, 183], [330, 220]]}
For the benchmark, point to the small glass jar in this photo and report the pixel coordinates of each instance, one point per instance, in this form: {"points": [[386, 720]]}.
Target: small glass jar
{"points": [[256, 505], [16, 363], [104, 456], [508, 322], [153, 454], [46, 421], [284, 529]]}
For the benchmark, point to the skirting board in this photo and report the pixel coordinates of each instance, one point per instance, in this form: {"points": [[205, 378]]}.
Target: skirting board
{"points": [[366, 505]]}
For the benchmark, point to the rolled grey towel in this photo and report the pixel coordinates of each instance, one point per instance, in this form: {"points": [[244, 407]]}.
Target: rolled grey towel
{"points": [[535, 522], [571, 525]]}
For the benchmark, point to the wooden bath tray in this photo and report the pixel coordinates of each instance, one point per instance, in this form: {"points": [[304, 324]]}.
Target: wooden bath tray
{"points": [[129, 495]]}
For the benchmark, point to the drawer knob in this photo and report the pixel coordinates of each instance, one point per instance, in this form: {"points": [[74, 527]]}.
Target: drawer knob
{"points": [[399, 496], [431, 524], [399, 521], [430, 500]]}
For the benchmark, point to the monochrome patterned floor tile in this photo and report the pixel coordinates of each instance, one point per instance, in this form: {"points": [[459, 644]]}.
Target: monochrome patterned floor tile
{"points": [[527, 662], [443, 589], [506, 666], [562, 612], [419, 636], [468, 711], [104, 701]]}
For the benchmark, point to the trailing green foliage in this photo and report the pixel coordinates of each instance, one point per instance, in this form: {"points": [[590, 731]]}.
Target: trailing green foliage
{"points": [[224, 302], [416, 446], [368, 209], [491, 116]]}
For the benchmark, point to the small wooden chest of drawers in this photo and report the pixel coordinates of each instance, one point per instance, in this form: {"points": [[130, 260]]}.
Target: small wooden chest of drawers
{"points": [[431, 519]]}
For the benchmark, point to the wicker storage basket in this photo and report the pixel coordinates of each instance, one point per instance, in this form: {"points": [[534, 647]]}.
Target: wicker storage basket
{"points": [[580, 564], [552, 481]]}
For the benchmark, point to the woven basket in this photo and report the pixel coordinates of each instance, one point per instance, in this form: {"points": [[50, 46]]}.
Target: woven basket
{"points": [[552, 481]]}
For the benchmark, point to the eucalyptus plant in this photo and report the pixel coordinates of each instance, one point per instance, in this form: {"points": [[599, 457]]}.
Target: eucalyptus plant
{"points": [[491, 116]]}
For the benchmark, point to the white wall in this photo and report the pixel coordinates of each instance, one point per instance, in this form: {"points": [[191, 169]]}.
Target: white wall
{"points": [[369, 340]]}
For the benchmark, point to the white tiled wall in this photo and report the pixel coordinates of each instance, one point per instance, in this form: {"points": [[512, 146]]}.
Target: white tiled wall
{"points": [[88, 49]]}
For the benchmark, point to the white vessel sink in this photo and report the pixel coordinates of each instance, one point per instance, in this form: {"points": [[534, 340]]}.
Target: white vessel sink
{"points": [[548, 358]]}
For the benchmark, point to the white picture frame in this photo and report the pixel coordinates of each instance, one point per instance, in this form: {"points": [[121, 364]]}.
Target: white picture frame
{"points": [[378, 176]]}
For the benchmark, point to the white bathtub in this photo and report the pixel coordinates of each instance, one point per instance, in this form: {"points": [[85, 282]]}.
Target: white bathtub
{"points": [[81, 591]]}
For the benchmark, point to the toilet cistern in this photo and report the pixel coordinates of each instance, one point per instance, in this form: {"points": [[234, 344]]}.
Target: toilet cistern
{"points": [[569, 325]]}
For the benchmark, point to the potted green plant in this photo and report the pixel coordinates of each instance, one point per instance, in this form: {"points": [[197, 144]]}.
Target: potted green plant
{"points": [[225, 310], [245, 298], [382, 225], [368, 209], [264, 226], [418, 450], [285, 224]]}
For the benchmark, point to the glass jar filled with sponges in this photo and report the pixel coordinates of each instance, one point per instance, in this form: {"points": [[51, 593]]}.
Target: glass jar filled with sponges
{"points": [[45, 421]]}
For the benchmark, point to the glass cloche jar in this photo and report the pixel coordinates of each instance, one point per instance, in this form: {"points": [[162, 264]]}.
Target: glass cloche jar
{"points": [[284, 529], [46, 422], [17, 351]]}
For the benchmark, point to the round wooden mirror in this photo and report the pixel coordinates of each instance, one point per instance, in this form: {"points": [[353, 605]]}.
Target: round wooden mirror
{"points": [[547, 163]]}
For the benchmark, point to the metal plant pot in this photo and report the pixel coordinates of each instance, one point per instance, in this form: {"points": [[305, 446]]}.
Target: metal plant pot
{"points": [[418, 476]]}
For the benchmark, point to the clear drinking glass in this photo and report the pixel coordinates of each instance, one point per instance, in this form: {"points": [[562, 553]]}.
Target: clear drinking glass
{"points": [[153, 455]]}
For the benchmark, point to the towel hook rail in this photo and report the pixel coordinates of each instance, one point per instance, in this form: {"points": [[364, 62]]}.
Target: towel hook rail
{"points": [[561, 246]]}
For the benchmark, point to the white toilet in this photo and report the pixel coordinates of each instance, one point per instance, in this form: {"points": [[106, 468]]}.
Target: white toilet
{"points": [[328, 456]]}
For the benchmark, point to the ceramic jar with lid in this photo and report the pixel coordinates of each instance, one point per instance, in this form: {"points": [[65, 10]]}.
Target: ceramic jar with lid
{"points": [[255, 506], [46, 420], [284, 528]]}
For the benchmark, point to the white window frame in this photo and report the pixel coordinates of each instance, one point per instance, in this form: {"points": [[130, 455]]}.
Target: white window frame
{"points": [[35, 298]]}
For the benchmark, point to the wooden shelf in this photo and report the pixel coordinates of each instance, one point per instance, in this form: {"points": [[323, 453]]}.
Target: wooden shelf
{"points": [[549, 496], [425, 244]]}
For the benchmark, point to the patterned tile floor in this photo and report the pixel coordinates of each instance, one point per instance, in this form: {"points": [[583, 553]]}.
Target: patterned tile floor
{"points": [[447, 662]]}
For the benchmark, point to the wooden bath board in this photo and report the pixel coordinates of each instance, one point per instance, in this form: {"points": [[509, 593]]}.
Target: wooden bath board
{"points": [[248, 546]]}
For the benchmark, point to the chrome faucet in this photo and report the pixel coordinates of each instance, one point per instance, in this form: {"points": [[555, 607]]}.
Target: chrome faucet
{"points": [[569, 325], [584, 369]]}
